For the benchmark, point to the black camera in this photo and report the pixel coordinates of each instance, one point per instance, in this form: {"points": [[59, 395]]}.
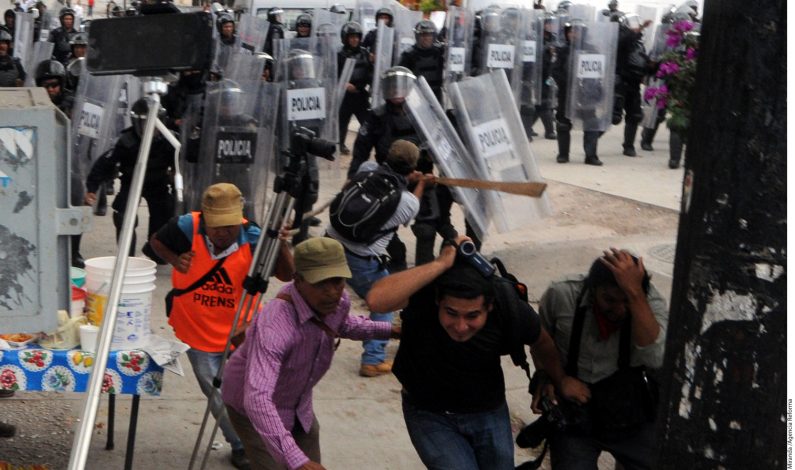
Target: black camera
{"points": [[304, 142], [469, 252], [550, 421]]}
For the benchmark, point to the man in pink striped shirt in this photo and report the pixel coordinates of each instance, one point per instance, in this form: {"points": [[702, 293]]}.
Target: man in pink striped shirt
{"points": [[268, 381]]}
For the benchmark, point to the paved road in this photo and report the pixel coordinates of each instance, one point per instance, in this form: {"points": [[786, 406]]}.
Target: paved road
{"points": [[629, 202]]}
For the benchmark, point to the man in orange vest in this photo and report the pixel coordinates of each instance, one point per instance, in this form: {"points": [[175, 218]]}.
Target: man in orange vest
{"points": [[211, 252]]}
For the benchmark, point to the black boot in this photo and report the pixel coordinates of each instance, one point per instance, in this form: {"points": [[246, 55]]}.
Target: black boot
{"points": [[77, 258], [589, 144], [564, 142], [549, 127], [102, 200], [630, 130], [646, 137], [676, 144]]}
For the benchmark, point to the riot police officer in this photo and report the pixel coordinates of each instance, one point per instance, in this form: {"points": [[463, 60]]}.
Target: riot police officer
{"points": [[303, 26], [51, 75], [276, 29], [62, 36], [632, 65], [545, 108], [157, 180], [560, 72], [78, 45], [357, 95], [226, 29], [388, 17], [426, 57], [612, 11], [11, 71]]}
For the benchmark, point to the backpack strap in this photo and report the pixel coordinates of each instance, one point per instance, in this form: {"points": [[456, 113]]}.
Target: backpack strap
{"points": [[196, 284]]}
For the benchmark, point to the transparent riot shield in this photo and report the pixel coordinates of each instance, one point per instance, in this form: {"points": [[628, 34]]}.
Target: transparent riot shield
{"points": [[659, 46], [531, 56], [586, 13], [23, 39], [495, 137], [94, 119], [458, 64], [648, 13], [649, 107], [244, 66], [449, 153], [592, 75], [403, 24], [41, 51], [252, 31], [500, 45], [309, 75], [236, 142], [383, 61], [190, 133], [364, 14], [325, 23]]}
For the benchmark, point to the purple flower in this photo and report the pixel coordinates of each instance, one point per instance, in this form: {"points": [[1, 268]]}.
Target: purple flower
{"points": [[691, 53], [683, 26], [673, 40], [650, 93], [661, 102], [667, 68]]}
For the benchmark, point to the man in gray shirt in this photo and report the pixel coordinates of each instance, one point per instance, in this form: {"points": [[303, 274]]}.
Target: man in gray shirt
{"points": [[367, 259], [609, 327]]}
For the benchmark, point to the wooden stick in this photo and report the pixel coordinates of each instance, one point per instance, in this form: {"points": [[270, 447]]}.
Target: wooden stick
{"points": [[523, 189]]}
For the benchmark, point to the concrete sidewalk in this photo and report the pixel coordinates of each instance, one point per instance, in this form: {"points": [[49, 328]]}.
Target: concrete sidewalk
{"points": [[629, 202]]}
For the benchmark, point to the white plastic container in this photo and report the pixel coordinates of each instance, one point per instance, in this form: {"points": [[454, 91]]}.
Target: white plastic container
{"points": [[132, 328]]}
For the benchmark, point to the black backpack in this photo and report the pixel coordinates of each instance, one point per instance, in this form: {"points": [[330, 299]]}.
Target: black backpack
{"points": [[360, 211]]}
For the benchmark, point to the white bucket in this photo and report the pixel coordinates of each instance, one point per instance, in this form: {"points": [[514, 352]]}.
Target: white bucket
{"points": [[132, 328]]}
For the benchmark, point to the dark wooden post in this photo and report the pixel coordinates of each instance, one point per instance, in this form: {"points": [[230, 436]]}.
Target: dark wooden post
{"points": [[724, 403]]}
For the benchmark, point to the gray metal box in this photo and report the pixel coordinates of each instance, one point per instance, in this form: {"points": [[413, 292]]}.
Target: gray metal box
{"points": [[35, 215]]}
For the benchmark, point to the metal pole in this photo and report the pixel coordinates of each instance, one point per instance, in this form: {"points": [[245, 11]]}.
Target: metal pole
{"points": [[77, 460]]}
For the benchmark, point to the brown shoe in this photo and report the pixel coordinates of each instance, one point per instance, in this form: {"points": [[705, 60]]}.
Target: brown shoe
{"points": [[7, 430], [374, 370]]}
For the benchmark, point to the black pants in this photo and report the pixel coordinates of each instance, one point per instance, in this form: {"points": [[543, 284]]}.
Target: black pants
{"points": [[161, 209], [633, 450], [354, 104]]}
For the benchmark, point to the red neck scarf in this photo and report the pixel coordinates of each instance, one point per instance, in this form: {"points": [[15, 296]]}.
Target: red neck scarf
{"points": [[606, 327]]}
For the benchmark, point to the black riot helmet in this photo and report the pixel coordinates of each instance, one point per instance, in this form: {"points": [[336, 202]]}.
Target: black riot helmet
{"points": [[79, 39], [424, 27], [222, 19], [116, 12], [228, 96], [564, 6], [490, 20], [304, 19], [74, 71], [66, 11], [338, 8], [300, 65], [630, 21], [613, 5], [509, 19], [348, 29], [396, 83], [139, 112], [49, 69], [385, 12], [275, 15], [131, 11], [267, 67]]}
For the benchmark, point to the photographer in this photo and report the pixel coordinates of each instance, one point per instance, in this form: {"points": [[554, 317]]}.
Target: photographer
{"points": [[593, 319], [454, 332]]}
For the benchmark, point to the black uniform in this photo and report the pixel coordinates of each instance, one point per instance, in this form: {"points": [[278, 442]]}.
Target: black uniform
{"points": [[275, 32], [428, 63], [157, 182], [544, 108], [355, 102], [378, 131], [560, 72], [632, 64], [433, 216], [10, 71], [369, 39], [61, 37]]}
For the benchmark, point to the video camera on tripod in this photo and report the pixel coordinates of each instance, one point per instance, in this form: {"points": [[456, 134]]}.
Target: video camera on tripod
{"points": [[304, 141]]}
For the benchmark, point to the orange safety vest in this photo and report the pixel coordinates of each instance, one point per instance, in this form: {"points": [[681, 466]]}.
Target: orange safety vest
{"points": [[203, 317]]}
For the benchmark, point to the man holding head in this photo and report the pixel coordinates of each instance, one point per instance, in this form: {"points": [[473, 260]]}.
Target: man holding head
{"points": [[211, 252], [268, 382], [609, 327], [454, 332]]}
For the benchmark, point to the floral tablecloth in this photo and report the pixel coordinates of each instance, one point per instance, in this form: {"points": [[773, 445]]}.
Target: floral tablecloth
{"points": [[37, 369]]}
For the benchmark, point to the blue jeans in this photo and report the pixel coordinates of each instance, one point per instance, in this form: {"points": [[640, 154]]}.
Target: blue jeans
{"points": [[205, 366], [461, 441], [364, 272]]}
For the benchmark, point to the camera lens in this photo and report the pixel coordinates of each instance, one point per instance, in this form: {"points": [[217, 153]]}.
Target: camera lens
{"points": [[467, 248]]}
